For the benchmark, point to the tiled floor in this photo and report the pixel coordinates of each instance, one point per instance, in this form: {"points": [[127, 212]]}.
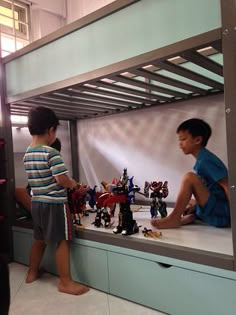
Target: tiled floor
{"points": [[42, 298]]}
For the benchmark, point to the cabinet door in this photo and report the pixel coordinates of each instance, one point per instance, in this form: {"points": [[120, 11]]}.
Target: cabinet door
{"points": [[89, 266], [22, 243], [170, 289]]}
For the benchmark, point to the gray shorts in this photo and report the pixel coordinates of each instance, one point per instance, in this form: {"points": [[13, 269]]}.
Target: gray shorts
{"points": [[52, 222]]}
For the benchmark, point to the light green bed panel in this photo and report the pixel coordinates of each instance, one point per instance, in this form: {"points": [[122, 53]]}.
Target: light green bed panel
{"points": [[141, 27]]}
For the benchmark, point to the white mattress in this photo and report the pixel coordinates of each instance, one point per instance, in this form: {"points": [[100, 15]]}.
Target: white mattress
{"points": [[197, 235]]}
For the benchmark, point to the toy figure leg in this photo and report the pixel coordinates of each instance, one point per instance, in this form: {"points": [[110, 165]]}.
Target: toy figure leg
{"points": [[191, 185]]}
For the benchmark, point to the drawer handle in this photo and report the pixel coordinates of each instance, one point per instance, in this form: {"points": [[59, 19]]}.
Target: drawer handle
{"points": [[164, 266]]}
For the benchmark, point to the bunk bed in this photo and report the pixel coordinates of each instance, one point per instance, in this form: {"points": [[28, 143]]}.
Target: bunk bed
{"points": [[137, 66]]}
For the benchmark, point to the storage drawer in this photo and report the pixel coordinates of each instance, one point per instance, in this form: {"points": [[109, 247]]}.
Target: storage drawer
{"points": [[170, 289], [22, 242], [89, 266]]}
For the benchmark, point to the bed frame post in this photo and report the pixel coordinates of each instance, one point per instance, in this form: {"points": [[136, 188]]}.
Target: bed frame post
{"points": [[8, 202], [228, 12], [74, 149]]}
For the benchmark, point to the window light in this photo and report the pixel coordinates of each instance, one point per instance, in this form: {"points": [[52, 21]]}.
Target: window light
{"points": [[17, 119]]}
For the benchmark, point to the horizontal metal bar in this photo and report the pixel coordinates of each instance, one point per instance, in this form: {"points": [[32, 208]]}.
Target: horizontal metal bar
{"points": [[130, 91], [88, 97], [217, 45], [56, 109], [168, 66], [70, 106], [88, 104], [113, 94], [150, 57], [150, 87], [203, 62], [166, 80]]}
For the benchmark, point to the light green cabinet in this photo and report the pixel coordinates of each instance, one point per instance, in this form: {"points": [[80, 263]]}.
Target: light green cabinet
{"points": [[177, 288], [22, 242], [170, 289], [89, 266]]}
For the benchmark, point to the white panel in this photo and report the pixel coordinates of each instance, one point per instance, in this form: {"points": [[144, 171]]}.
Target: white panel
{"points": [[146, 143], [79, 8], [134, 30], [21, 140]]}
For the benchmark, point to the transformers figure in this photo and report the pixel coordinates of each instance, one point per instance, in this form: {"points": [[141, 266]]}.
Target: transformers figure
{"points": [[159, 191], [124, 192], [103, 202], [77, 203]]}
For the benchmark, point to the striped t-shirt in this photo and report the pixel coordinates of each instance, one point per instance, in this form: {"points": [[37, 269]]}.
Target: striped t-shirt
{"points": [[42, 163]]}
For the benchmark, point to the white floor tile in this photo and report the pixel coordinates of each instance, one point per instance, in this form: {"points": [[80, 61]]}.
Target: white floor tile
{"points": [[119, 306], [17, 277], [42, 298]]}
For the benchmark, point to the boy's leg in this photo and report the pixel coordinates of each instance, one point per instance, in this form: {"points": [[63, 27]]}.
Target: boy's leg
{"points": [[191, 185], [66, 284], [36, 255]]}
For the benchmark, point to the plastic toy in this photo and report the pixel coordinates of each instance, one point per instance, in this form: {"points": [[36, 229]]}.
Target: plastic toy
{"points": [[124, 192], [159, 191], [77, 203], [150, 233], [103, 202]]}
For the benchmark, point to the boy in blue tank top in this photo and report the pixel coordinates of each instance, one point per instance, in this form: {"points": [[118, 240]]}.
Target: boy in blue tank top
{"points": [[49, 180], [208, 184]]}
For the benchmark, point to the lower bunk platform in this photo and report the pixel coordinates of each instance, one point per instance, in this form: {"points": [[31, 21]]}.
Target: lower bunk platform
{"points": [[165, 274]]}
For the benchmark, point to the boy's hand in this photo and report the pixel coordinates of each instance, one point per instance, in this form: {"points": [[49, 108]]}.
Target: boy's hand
{"points": [[189, 209], [82, 187], [74, 184]]}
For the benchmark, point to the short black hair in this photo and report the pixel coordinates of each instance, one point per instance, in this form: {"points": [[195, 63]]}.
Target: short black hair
{"points": [[56, 145], [196, 127], [40, 119]]}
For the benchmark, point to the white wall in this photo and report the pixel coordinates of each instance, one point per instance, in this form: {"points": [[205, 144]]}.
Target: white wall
{"points": [[79, 8], [21, 140], [47, 17], [146, 143]]}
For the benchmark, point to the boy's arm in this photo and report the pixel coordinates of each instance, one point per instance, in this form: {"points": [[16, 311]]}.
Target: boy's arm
{"points": [[225, 185], [65, 181]]}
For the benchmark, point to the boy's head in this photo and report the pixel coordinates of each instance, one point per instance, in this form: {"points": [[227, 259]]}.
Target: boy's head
{"points": [[43, 121], [193, 133]]}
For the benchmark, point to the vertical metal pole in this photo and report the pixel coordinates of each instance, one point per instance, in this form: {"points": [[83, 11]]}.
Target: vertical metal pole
{"points": [[9, 200], [74, 148], [228, 12]]}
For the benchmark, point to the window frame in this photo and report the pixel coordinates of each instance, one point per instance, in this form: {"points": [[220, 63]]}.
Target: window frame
{"points": [[15, 32]]}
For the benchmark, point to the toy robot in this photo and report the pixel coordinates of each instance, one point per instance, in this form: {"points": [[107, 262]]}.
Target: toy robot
{"points": [[159, 191], [102, 203], [77, 204], [124, 192]]}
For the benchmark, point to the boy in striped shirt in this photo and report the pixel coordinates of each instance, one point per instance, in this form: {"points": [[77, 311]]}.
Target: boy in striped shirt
{"points": [[48, 178]]}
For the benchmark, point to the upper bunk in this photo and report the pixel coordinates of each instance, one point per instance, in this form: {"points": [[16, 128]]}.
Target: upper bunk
{"points": [[128, 55]]}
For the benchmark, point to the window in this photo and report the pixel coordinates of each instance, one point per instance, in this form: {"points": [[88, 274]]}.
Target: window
{"points": [[14, 26]]}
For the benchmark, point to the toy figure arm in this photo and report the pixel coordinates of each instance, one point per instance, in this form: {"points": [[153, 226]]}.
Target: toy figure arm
{"points": [[225, 185]]}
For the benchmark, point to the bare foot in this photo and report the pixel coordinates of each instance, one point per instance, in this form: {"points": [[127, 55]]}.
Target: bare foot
{"points": [[166, 223], [72, 287], [32, 275]]}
